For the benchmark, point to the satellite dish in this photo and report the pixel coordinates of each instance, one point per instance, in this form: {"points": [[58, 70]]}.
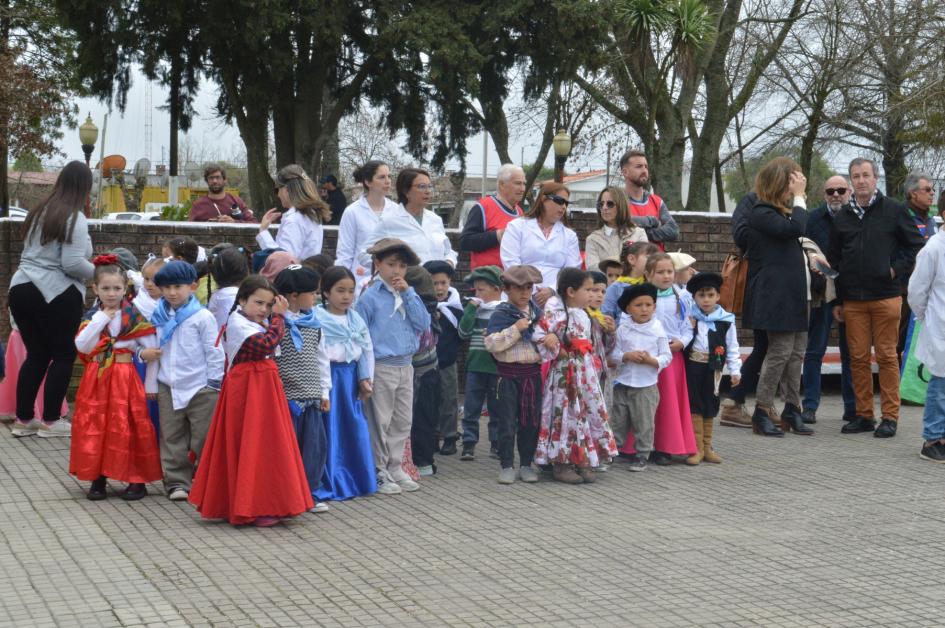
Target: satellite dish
{"points": [[142, 168]]}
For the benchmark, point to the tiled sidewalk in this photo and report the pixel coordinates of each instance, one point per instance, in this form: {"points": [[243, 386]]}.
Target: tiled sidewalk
{"points": [[825, 531]]}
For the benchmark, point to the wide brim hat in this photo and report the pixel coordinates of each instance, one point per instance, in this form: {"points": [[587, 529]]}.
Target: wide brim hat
{"points": [[607, 262], [521, 275], [386, 246]]}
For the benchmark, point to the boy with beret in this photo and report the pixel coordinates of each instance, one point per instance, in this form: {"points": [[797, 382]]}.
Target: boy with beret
{"points": [[449, 310], [480, 366], [517, 406], [640, 352], [190, 373], [305, 371], [396, 317], [714, 345]]}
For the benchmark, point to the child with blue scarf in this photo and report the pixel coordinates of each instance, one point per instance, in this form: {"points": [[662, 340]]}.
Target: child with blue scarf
{"points": [[190, 373], [305, 371], [714, 345]]}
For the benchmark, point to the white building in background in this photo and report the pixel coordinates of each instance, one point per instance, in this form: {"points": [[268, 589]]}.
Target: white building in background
{"points": [[585, 186]]}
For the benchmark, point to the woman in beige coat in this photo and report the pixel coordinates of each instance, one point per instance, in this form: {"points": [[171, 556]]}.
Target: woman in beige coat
{"points": [[614, 227]]}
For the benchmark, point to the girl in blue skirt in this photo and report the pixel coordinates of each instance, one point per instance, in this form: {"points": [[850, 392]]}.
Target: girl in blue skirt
{"points": [[349, 470]]}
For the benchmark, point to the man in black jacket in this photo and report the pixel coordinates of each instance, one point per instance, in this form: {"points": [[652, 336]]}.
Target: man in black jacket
{"points": [[872, 242], [836, 195]]}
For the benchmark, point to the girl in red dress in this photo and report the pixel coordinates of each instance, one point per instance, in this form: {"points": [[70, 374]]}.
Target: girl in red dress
{"points": [[251, 470], [112, 433]]}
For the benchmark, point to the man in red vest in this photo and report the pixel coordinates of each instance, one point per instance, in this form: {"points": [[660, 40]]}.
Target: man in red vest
{"points": [[646, 210], [486, 221]]}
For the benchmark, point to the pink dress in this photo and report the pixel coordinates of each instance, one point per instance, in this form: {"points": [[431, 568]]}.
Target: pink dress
{"points": [[673, 422], [16, 355]]}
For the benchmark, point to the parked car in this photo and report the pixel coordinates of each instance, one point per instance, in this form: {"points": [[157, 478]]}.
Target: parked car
{"points": [[17, 212], [133, 216]]}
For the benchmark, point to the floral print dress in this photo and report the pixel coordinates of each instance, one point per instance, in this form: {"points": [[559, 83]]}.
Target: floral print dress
{"points": [[574, 423]]}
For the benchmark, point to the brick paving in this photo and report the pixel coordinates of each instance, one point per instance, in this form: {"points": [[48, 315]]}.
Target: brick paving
{"points": [[831, 530]]}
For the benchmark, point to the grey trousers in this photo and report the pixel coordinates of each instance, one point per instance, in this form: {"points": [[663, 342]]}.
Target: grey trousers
{"points": [[389, 413], [449, 401], [634, 409], [183, 431], [782, 365]]}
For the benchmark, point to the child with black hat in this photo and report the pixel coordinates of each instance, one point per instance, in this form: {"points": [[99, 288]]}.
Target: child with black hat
{"points": [[714, 345], [449, 309], [305, 371], [641, 351], [426, 381], [480, 366]]}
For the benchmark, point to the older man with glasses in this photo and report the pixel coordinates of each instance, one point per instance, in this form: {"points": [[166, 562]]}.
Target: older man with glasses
{"points": [[920, 196], [836, 195]]}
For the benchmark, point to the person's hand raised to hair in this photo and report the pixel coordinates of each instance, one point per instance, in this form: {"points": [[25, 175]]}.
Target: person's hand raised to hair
{"points": [[271, 216], [281, 305]]}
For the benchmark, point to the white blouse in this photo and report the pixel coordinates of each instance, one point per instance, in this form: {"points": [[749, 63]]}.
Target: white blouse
{"points": [[88, 337], [524, 243], [357, 224], [221, 302], [427, 238], [297, 234]]}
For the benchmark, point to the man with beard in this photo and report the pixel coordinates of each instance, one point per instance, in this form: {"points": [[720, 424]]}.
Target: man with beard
{"points": [[219, 205], [647, 210]]}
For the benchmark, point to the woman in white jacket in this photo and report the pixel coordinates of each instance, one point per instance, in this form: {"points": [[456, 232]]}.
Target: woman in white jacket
{"points": [[362, 216], [300, 224], [927, 300], [411, 222]]}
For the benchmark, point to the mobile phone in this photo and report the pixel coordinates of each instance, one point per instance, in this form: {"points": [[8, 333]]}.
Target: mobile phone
{"points": [[827, 271]]}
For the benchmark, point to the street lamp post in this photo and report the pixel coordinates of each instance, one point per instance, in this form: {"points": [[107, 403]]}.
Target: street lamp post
{"points": [[88, 134], [562, 146]]}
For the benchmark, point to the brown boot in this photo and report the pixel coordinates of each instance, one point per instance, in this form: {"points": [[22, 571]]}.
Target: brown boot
{"points": [[696, 458], [709, 454], [587, 475], [565, 473], [734, 414]]}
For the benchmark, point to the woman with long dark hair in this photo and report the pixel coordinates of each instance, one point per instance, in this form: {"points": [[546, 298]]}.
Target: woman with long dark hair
{"points": [[300, 222], [614, 227], [47, 293]]}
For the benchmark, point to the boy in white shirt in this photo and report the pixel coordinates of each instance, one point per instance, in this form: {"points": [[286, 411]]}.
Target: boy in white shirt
{"points": [[189, 375], [640, 353], [714, 345]]}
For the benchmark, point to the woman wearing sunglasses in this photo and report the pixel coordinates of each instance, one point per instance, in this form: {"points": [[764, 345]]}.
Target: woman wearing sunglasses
{"points": [[614, 227], [542, 239]]}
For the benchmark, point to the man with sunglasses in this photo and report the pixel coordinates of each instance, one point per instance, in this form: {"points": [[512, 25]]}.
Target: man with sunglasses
{"points": [[873, 242], [920, 195], [836, 195]]}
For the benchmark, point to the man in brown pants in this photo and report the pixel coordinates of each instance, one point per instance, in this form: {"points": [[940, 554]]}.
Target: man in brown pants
{"points": [[872, 242]]}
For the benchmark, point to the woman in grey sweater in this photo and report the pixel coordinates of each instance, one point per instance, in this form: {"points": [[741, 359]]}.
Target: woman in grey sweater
{"points": [[47, 294]]}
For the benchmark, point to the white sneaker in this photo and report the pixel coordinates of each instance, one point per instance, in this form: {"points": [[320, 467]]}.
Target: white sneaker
{"points": [[178, 495], [25, 428], [426, 471], [528, 474], [319, 507], [388, 487], [57, 429], [409, 485], [507, 476]]}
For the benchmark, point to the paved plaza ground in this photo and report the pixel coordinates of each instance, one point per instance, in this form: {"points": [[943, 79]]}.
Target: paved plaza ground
{"points": [[831, 530]]}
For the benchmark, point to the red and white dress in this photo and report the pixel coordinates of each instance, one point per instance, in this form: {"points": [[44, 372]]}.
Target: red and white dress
{"points": [[250, 466], [112, 433]]}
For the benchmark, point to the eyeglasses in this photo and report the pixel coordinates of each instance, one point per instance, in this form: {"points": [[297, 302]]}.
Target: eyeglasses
{"points": [[425, 187], [558, 200], [927, 190], [835, 191], [607, 204]]}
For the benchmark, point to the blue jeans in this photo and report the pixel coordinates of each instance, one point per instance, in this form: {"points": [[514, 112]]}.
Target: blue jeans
{"points": [[480, 388], [821, 320], [933, 421]]}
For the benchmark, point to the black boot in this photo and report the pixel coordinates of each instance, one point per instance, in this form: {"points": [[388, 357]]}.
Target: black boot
{"points": [[97, 490], [449, 447], [761, 423], [134, 492], [791, 419]]}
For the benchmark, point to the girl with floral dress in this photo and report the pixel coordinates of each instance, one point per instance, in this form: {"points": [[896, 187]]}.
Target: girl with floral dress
{"points": [[575, 433]]}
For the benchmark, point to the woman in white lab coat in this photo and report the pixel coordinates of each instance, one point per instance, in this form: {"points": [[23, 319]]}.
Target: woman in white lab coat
{"points": [[300, 224], [411, 222], [542, 239]]}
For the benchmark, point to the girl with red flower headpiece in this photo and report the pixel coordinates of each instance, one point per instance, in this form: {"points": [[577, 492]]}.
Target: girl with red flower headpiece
{"points": [[112, 433]]}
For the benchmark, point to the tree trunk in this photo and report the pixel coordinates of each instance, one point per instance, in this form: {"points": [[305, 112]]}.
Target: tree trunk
{"points": [[497, 125], [254, 131], [283, 124], [665, 159], [5, 25], [719, 187], [174, 106]]}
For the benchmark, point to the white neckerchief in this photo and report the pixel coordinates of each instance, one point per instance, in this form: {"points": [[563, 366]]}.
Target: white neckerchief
{"points": [[452, 300], [398, 299], [653, 328]]}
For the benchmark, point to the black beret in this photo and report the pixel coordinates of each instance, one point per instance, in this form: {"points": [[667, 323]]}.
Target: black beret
{"points": [[175, 272], [296, 278], [704, 280], [597, 276], [439, 266], [633, 291]]}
